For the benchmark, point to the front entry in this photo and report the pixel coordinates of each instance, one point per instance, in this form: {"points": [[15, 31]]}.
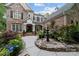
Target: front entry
{"points": [[29, 27]]}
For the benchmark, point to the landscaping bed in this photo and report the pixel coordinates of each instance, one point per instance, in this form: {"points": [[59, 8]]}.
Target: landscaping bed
{"points": [[10, 44], [64, 39], [56, 46]]}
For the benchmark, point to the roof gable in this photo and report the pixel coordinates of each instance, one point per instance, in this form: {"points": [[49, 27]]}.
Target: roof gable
{"points": [[24, 5], [61, 10]]}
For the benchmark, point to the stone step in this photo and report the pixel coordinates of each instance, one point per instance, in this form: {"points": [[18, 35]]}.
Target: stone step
{"points": [[29, 34]]}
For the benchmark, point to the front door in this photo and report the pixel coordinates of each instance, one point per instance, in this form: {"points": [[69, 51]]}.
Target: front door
{"points": [[29, 28]]}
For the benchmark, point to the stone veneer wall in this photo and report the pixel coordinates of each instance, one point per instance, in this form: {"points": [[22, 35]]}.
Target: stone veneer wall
{"points": [[73, 15]]}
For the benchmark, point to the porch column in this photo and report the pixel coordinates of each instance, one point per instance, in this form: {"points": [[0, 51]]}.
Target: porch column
{"points": [[24, 27], [33, 28]]}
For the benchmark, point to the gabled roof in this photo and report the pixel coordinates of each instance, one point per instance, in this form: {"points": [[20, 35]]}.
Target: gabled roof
{"points": [[60, 11], [24, 5]]}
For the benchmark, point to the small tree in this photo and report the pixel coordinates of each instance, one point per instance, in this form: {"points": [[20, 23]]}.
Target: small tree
{"points": [[2, 20]]}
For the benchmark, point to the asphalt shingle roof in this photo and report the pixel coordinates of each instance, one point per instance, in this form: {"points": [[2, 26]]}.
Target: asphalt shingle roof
{"points": [[60, 11]]}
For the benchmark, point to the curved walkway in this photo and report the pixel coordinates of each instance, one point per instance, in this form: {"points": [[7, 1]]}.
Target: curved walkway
{"points": [[35, 51]]}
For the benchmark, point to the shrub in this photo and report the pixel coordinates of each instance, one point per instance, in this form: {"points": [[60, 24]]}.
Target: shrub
{"points": [[12, 42], [15, 42], [4, 52], [51, 34], [41, 34], [18, 37], [18, 44], [8, 35], [75, 36], [65, 34], [55, 34]]}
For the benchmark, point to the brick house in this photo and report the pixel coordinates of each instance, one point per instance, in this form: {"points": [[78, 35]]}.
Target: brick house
{"points": [[20, 17], [66, 15]]}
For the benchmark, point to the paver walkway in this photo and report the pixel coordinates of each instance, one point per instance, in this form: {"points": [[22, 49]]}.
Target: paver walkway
{"points": [[35, 51]]}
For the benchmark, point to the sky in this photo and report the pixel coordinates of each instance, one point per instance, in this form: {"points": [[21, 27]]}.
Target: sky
{"points": [[43, 8]]}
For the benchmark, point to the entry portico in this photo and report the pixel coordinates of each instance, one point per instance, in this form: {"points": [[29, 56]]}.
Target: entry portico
{"points": [[28, 25]]}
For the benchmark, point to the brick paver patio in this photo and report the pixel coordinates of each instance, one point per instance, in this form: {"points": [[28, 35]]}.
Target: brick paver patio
{"points": [[35, 51]]}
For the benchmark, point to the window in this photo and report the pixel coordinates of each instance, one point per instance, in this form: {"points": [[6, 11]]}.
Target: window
{"points": [[13, 27], [33, 18], [16, 27], [17, 15], [38, 19], [76, 22], [71, 21], [29, 16]]}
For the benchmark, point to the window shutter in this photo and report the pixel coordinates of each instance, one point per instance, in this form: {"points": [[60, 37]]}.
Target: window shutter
{"points": [[11, 14], [21, 15], [33, 18]]}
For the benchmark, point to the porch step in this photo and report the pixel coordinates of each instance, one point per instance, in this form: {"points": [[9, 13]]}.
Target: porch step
{"points": [[29, 34]]}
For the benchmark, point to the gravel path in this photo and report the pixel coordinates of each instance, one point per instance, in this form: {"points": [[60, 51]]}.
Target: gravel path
{"points": [[35, 51]]}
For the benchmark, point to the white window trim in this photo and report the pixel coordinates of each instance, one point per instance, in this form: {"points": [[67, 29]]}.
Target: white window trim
{"points": [[12, 28], [16, 15], [15, 28]]}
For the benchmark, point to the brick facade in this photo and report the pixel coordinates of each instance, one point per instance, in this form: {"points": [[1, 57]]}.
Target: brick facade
{"points": [[28, 15]]}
